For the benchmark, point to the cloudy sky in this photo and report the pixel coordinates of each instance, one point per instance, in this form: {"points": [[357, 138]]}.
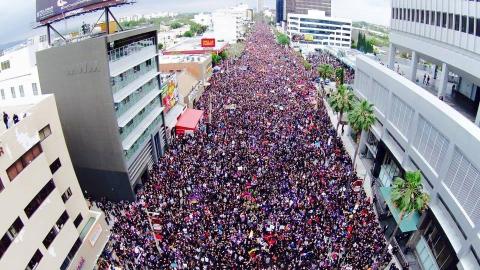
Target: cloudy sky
{"points": [[16, 19]]}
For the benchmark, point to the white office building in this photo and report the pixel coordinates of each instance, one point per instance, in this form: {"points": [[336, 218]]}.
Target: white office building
{"points": [[18, 70], [315, 30], [46, 222], [230, 24], [430, 127]]}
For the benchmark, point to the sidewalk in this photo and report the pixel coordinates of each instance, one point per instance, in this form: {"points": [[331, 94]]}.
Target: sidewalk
{"points": [[363, 170]]}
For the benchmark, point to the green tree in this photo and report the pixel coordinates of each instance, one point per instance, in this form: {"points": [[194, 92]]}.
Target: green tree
{"points": [[341, 102], [283, 39], [361, 119], [216, 59], [188, 34], [325, 71], [223, 55], [175, 25], [160, 46], [307, 65], [408, 196], [339, 75]]}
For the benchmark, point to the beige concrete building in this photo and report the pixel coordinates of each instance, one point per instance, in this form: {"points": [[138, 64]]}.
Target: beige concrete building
{"points": [[190, 89], [200, 66], [46, 222]]}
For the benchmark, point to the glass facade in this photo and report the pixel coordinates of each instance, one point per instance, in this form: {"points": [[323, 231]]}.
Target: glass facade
{"points": [[132, 124]]}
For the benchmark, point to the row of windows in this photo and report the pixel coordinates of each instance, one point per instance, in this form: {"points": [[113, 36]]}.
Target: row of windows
{"points": [[333, 28], [32, 207], [52, 234], [5, 65], [457, 22], [10, 235], [323, 21], [17, 167], [21, 91], [28, 157]]}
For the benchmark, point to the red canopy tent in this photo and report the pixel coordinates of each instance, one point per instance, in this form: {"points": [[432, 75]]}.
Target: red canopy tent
{"points": [[188, 121]]}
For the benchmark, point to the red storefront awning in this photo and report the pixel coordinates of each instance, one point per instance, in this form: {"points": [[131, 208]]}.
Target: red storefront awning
{"points": [[188, 121]]}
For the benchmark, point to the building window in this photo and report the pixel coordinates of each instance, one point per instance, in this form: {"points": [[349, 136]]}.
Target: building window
{"points": [[2, 92], [5, 65], [10, 235], [12, 89], [39, 198], [464, 24], [149, 62], [55, 165], [471, 25], [1, 185], [477, 32], [78, 220], [52, 234], [34, 89], [417, 15], [432, 19], [422, 16], [457, 22], [136, 69], [427, 17], [33, 263], [20, 89], [66, 195], [45, 132], [71, 254], [439, 15], [23, 161], [450, 21]]}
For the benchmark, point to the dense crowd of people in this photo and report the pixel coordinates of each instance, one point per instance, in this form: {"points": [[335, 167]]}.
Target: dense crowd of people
{"points": [[320, 58], [267, 186]]}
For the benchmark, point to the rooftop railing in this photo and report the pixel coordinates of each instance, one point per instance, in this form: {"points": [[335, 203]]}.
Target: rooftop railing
{"points": [[129, 49]]}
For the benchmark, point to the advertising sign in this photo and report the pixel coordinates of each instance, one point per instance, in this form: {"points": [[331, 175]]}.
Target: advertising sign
{"points": [[208, 42], [169, 95], [308, 37], [49, 9]]}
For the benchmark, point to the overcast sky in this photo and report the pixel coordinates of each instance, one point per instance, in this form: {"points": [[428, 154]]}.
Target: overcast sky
{"points": [[17, 17]]}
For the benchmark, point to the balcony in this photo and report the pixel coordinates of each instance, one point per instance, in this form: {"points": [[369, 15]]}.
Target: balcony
{"points": [[128, 56], [136, 139], [132, 75], [137, 121], [131, 100], [128, 113]]}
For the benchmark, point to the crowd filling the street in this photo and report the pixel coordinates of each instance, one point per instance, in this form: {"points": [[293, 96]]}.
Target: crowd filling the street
{"points": [[268, 185]]}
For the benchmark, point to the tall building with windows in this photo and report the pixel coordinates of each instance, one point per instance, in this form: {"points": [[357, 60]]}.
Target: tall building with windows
{"points": [[18, 69], [46, 223], [108, 93], [303, 6], [280, 10], [428, 117], [314, 29]]}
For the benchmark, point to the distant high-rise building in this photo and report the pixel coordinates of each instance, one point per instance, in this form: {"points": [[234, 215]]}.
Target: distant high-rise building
{"points": [[302, 6], [260, 5], [280, 7]]}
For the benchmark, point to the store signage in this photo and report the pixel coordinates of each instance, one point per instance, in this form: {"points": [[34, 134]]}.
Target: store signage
{"points": [[308, 37], [208, 42], [83, 68]]}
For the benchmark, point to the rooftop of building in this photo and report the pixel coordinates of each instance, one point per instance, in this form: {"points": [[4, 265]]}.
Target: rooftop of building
{"points": [[21, 107], [183, 58], [194, 46], [318, 14]]}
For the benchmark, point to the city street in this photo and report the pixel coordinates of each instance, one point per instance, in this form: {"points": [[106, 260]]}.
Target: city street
{"points": [[268, 188]]}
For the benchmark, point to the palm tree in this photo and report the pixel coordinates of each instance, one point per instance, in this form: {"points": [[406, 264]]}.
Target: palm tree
{"points": [[325, 71], [341, 102], [361, 119], [339, 75], [408, 196]]}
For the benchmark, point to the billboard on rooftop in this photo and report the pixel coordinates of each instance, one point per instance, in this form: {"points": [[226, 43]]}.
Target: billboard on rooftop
{"points": [[53, 10]]}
